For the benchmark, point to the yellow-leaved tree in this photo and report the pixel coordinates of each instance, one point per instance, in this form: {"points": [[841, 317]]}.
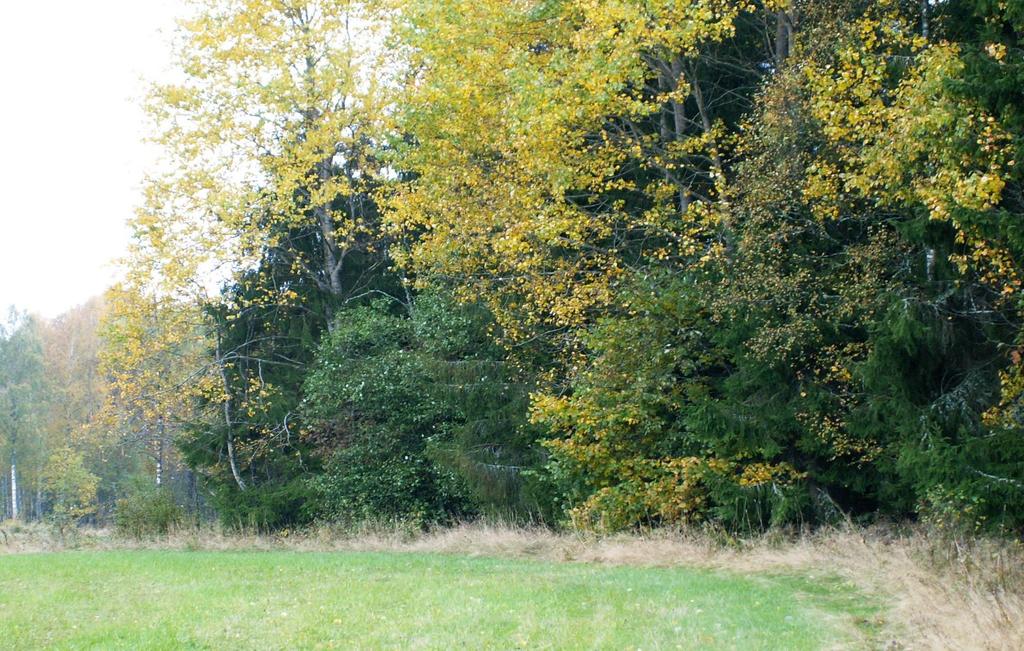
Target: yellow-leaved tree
{"points": [[267, 130], [558, 153], [551, 146], [906, 131]]}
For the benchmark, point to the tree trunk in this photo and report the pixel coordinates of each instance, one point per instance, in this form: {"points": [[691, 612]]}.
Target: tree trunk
{"points": [[707, 124], [334, 256], [159, 464], [4, 488], [679, 124], [228, 424], [160, 453], [233, 463], [39, 500], [782, 33], [14, 487]]}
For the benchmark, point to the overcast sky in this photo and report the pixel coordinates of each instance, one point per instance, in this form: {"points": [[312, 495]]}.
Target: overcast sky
{"points": [[71, 151]]}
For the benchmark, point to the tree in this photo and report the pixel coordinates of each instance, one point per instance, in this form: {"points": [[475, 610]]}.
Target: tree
{"points": [[270, 136], [70, 487], [564, 170], [910, 129], [22, 392], [154, 359], [657, 262], [552, 147], [821, 275], [844, 351], [370, 415], [417, 415], [71, 348]]}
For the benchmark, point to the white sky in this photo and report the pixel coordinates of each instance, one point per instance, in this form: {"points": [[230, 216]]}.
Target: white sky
{"points": [[71, 151]]}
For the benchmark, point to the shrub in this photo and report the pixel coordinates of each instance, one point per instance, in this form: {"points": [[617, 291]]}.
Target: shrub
{"points": [[369, 403], [147, 511], [263, 507], [380, 478], [71, 490]]}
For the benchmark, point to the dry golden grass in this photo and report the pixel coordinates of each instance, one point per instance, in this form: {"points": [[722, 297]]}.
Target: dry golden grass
{"points": [[939, 594]]}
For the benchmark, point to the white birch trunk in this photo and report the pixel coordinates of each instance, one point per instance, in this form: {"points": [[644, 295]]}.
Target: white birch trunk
{"points": [[160, 455], [232, 463], [14, 490]]}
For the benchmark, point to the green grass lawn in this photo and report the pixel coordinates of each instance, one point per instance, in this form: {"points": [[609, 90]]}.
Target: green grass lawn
{"points": [[286, 600]]}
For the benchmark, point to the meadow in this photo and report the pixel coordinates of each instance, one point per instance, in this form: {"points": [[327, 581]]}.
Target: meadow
{"points": [[495, 586], [166, 599]]}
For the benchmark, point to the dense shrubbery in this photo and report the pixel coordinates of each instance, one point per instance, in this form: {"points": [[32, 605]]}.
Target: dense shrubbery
{"points": [[398, 404], [147, 510], [370, 404]]}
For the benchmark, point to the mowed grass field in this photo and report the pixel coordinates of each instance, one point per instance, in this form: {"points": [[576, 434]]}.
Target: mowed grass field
{"points": [[310, 600]]}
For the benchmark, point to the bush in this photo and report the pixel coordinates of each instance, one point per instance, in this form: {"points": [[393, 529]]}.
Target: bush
{"points": [[147, 511], [370, 404], [71, 490], [380, 478], [263, 507]]}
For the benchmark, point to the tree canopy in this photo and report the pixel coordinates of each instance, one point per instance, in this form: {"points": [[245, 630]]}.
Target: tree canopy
{"points": [[602, 263]]}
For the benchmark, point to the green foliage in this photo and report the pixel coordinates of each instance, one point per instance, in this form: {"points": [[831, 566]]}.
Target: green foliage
{"points": [[485, 437], [147, 510], [70, 487], [663, 270], [267, 506], [368, 400], [377, 478], [418, 416]]}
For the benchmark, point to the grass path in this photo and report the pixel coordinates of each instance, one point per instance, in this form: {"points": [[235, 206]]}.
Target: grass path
{"points": [[287, 600]]}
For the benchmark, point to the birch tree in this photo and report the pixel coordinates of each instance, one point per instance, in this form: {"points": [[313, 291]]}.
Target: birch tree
{"points": [[22, 388], [269, 133]]}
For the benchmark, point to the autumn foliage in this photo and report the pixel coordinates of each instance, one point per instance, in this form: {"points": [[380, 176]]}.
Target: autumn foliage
{"points": [[600, 262]]}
